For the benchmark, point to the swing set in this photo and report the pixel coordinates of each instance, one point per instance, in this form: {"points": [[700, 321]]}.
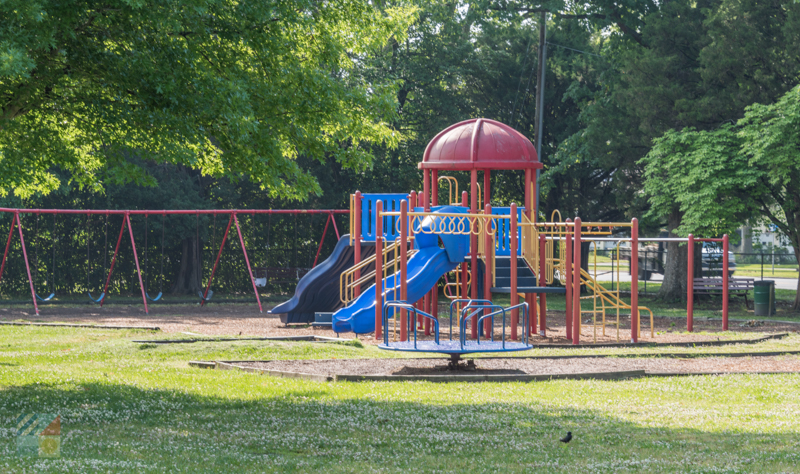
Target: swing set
{"points": [[32, 266]]}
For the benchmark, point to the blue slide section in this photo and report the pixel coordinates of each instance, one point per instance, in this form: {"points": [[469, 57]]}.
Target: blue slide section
{"points": [[424, 269]]}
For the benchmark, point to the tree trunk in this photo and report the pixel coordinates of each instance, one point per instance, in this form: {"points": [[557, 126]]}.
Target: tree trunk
{"points": [[674, 286], [188, 280], [796, 246]]}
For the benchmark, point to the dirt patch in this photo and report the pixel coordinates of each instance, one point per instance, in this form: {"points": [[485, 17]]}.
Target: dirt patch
{"points": [[521, 366], [245, 320]]}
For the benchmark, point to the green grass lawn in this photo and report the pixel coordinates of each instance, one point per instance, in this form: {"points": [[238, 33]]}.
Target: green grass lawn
{"points": [[129, 407], [755, 270]]}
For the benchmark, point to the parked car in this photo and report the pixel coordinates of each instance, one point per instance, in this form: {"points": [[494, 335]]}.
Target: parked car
{"points": [[653, 257], [712, 260]]}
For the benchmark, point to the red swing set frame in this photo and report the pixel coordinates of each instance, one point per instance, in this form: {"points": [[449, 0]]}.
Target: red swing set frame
{"points": [[16, 223]]}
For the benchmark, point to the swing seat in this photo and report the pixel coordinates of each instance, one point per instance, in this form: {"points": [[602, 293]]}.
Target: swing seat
{"points": [[208, 298], [158, 296], [45, 299], [102, 295]]}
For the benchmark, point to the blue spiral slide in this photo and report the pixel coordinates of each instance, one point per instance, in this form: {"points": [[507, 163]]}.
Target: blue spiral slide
{"points": [[424, 269]]}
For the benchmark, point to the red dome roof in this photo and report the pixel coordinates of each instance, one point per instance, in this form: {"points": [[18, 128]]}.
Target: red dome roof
{"points": [[480, 144]]}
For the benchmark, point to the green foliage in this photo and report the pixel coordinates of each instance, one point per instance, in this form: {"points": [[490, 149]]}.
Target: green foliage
{"points": [[699, 64], [224, 87], [721, 178], [702, 173]]}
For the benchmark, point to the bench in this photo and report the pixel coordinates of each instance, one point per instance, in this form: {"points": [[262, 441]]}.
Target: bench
{"points": [[713, 286], [272, 275]]}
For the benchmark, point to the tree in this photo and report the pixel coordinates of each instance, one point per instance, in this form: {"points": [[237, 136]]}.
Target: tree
{"points": [[699, 64], [225, 87], [723, 178]]}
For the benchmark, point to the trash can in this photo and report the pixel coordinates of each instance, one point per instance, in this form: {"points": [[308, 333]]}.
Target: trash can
{"points": [[764, 297]]}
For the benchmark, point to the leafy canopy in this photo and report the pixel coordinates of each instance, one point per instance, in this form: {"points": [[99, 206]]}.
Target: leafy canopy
{"points": [[227, 87], [723, 177]]}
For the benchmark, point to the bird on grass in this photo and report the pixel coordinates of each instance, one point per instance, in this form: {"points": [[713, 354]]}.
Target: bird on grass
{"points": [[567, 438]]}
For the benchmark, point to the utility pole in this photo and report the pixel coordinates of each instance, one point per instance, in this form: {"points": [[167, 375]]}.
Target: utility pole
{"points": [[538, 123]]}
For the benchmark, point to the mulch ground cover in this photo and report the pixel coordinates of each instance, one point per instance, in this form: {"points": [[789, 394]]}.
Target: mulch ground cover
{"points": [[523, 366]]}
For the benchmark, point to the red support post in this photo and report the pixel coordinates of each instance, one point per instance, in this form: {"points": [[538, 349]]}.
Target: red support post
{"points": [[634, 280], [514, 294], [435, 188], [568, 279], [725, 282], [533, 314], [465, 274], [542, 281], [113, 261], [488, 245], [487, 182], [27, 266], [473, 244], [434, 201], [403, 269], [690, 285], [426, 189], [247, 261], [425, 204], [527, 203], [414, 202], [321, 241], [435, 300], [357, 241], [8, 244], [378, 269], [335, 229], [136, 260], [576, 284], [216, 262]]}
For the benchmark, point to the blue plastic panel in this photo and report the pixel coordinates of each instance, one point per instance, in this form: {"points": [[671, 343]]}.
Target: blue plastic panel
{"points": [[503, 238], [391, 203]]}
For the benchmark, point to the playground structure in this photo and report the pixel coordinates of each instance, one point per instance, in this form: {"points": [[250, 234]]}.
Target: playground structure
{"points": [[32, 263], [384, 276], [486, 250]]}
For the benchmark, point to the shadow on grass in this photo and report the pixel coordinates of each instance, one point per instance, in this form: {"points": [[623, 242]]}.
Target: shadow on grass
{"points": [[294, 426]]}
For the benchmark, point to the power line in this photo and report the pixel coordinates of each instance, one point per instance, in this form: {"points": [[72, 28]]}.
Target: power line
{"points": [[573, 49]]}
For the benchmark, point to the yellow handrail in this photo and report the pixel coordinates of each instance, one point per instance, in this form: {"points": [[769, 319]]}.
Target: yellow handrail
{"points": [[610, 297], [347, 285], [451, 182]]}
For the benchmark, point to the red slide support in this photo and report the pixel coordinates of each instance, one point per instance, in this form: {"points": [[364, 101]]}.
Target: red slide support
{"points": [[488, 244], [403, 269], [514, 294], [542, 282], [576, 284], [379, 270], [567, 278]]}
